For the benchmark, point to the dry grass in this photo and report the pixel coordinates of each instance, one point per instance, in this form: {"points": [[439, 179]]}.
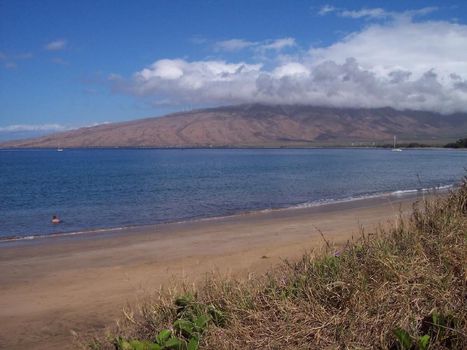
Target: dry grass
{"points": [[410, 277]]}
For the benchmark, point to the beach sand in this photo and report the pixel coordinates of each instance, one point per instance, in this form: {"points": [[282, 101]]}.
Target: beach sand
{"points": [[50, 287]]}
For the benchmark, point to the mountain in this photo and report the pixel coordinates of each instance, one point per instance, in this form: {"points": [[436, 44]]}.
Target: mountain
{"points": [[262, 126]]}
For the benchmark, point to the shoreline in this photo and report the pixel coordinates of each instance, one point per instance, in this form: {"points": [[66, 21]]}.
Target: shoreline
{"points": [[441, 146], [49, 288], [398, 194]]}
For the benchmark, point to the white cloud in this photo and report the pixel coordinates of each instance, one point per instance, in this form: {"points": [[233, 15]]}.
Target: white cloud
{"points": [[372, 13], [21, 56], [56, 45], [97, 124], [46, 128], [414, 47], [278, 44], [10, 61], [177, 80], [324, 10], [290, 69], [375, 13], [234, 44], [419, 12], [32, 127], [401, 64]]}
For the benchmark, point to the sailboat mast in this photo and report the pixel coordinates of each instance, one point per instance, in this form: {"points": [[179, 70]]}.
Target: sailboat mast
{"points": [[394, 141]]}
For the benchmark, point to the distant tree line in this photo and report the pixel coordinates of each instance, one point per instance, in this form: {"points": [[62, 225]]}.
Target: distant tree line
{"points": [[407, 145], [461, 143]]}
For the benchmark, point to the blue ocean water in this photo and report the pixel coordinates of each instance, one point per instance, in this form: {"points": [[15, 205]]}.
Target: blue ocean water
{"points": [[92, 189]]}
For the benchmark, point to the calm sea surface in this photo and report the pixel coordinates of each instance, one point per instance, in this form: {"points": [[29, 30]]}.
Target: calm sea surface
{"points": [[92, 189]]}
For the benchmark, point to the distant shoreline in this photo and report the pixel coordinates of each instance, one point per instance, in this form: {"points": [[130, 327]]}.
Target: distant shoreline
{"points": [[221, 148]]}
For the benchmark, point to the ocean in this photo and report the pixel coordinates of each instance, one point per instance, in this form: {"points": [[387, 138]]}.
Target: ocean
{"points": [[97, 189]]}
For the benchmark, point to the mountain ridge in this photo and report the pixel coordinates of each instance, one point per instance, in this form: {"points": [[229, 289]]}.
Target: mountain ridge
{"points": [[257, 125]]}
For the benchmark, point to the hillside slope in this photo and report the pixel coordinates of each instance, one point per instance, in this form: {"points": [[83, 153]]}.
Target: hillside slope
{"points": [[261, 125]]}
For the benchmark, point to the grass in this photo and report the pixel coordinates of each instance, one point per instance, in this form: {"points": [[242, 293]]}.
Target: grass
{"points": [[399, 288]]}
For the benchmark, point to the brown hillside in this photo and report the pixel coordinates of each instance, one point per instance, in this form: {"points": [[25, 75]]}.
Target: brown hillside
{"points": [[260, 125]]}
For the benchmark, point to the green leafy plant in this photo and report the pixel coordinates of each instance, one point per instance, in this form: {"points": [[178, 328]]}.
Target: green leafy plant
{"points": [[433, 328], [192, 320], [166, 342], [405, 341], [424, 342]]}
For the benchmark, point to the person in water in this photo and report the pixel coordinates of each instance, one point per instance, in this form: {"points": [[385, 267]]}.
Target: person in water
{"points": [[55, 219]]}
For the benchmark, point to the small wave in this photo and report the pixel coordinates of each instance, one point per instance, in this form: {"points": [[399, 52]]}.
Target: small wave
{"points": [[61, 234], [435, 188], [445, 187], [368, 196], [320, 202], [400, 192]]}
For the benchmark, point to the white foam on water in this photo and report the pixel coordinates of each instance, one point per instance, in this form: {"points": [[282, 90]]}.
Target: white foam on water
{"points": [[438, 188], [368, 196]]}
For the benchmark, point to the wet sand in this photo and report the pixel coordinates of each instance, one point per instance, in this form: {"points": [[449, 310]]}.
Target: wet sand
{"points": [[51, 287]]}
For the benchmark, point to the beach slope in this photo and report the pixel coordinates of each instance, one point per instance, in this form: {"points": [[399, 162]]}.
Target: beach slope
{"points": [[53, 287]]}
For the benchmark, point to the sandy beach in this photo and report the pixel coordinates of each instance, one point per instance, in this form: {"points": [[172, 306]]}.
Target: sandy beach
{"points": [[51, 287]]}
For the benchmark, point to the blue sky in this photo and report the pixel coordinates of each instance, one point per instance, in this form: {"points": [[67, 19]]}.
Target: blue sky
{"points": [[67, 64]]}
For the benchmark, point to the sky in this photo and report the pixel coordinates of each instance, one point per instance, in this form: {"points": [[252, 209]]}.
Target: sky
{"points": [[68, 64]]}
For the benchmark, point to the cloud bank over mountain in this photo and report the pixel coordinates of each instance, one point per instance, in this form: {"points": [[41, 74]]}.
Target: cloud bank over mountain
{"points": [[394, 61]]}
